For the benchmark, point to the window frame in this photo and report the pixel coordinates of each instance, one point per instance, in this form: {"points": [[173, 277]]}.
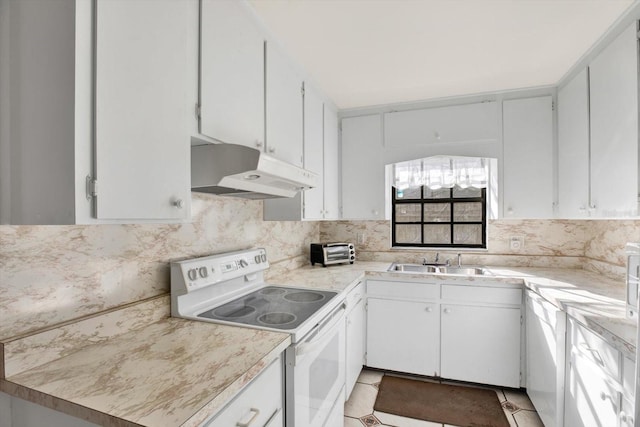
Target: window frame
{"points": [[452, 201]]}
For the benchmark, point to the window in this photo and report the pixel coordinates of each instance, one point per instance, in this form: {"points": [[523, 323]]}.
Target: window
{"points": [[446, 217]]}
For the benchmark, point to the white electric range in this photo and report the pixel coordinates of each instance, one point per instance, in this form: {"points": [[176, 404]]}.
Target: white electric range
{"points": [[230, 289]]}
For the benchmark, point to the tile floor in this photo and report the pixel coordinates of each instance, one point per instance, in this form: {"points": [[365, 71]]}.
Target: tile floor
{"points": [[359, 411]]}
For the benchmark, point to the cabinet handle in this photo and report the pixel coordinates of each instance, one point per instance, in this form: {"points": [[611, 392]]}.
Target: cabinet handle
{"points": [[429, 309], [258, 144], [272, 417], [256, 412], [447, 310], [271, 150], [178, 203]]}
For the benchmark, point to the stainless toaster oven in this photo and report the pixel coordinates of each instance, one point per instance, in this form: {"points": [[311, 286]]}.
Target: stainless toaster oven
{"points": [[332, 253]]}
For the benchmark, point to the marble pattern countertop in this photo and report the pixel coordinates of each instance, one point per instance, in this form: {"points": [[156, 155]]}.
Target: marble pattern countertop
{"points": [[114, 369], [593, 299], [173, 372]]}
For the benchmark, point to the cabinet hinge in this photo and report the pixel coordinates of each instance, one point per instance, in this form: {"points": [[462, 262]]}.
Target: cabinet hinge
{"points": [[197, 111], [364, 359], [553, 105], [302, 89], [521, 319], [91, 187]]}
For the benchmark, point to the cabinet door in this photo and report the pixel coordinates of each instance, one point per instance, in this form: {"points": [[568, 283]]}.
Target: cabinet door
{"points": [[528, 158], [481, 344], [403, 336], [614, 127], [331, 164], [545, 326], [231, 74], [142, 139], [284, 106], [591, 398], [573, 148], [363, 178], [356, 328], [452, 124], [313, 152]]}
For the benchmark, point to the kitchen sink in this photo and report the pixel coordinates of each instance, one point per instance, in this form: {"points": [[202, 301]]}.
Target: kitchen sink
{"points": [[443, 269], [414, 268]]}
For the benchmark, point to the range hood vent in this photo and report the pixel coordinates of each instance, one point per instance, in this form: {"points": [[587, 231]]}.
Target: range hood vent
{"points": [[240, 171]]}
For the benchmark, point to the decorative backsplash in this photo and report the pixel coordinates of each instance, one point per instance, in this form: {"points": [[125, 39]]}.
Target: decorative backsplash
{"points": [[596, 245], [51, 274]]}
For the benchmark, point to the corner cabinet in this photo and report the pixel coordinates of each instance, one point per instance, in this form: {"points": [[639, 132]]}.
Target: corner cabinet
{"points": [[120, 154], [528, 158], [363, 188]]}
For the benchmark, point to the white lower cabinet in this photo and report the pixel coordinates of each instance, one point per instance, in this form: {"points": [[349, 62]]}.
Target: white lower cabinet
{"points": [[462, 332], [355, 337], [403, 336], [481, 344], [260, 404], [593, 389], [545, 334]]}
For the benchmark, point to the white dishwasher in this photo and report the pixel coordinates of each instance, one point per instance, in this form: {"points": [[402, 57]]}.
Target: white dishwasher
{"points": [[546, 327]]}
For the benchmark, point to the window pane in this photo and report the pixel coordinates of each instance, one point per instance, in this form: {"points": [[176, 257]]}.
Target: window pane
{"points": [[437, 212], [437, 234], [467, 212], [467, 234], [443, 193], [466, 192], [408, 193], [408, 233], [408, 212]]}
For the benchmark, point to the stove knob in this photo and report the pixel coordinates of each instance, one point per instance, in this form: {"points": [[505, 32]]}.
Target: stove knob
{"points": [[263, 257], [203, 272], [243, 263], [192, 274], [257, 259]]}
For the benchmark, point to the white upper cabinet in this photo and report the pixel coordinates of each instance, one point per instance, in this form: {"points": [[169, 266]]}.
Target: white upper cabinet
{"points": [[363, 175], [140, 154], [573, 147], [331, 163], [283, 106], [614, 127], [458, 123], [231, 74], [528, 158], [142, 140], [321, 157], [314, 152]]}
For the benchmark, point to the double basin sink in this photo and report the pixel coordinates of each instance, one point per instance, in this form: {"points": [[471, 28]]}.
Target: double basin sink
{"points": [[442, 269]]}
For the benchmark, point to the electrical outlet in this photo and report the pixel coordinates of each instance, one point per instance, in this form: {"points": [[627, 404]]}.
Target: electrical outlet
{"points": [[360, 238], [516, 243]]}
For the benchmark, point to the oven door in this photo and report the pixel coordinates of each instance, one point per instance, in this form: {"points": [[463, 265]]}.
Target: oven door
{"points": [[316, 373]]}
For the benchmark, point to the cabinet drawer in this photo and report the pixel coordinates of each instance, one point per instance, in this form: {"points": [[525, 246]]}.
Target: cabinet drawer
{"points": [[261, 400], [383, 288], [472, 293], [593, 348], [355, 296]]}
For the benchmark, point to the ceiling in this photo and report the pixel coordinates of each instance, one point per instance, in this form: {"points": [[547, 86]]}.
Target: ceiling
{"points": [[373, 52]]}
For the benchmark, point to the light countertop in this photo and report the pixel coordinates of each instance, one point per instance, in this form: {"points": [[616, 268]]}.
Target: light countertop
{"points": [[175, 372]]}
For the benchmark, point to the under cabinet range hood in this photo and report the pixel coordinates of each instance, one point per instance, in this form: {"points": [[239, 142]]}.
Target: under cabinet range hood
{"points": [[240, 171]]}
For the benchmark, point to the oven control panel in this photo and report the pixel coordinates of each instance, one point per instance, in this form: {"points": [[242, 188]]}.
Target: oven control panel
{"points": [[190, 275]]}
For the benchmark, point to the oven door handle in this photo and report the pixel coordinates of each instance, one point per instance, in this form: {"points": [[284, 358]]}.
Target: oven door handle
{"points": [[323, 333]]}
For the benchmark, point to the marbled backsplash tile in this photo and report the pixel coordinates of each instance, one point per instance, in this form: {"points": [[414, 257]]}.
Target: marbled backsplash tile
{"points": [[596, 245], [51, 274]]}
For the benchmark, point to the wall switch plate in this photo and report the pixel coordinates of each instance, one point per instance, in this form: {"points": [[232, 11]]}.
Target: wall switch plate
{"points": [[516, 243], [360, 238]]}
